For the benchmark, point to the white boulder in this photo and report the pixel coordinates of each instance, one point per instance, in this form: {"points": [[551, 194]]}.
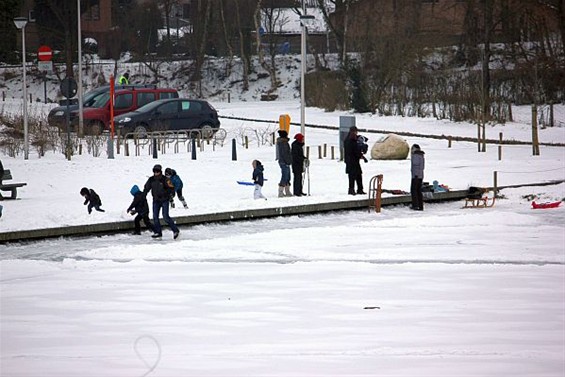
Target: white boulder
{"points": [[390, 147]]}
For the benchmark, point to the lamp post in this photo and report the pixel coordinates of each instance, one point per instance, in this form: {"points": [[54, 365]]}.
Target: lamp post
{"points": [[304, 19], [20, 23]]}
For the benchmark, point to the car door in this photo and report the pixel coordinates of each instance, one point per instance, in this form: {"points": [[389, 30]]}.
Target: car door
{"points": [[165, 116], [189, 115]]}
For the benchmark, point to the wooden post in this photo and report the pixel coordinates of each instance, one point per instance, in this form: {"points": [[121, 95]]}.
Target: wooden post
{"points": [[325, 150], [449, 141], [495, 183], [535, 139], [333, 152], [246, 142], [319, 152], [499, 146]]}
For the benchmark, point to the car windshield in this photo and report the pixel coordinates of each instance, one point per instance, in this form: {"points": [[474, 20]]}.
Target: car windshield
{"points": [[91, 97], [101, 100]]}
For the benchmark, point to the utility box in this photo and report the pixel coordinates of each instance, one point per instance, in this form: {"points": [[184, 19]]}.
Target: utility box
{"points": [[284, 123], [345, 123]]}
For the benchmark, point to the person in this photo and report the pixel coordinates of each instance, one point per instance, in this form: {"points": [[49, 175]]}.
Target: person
{"points": [[124, 79], [285, 160], [162, 190], [92, 199], [352, 155], [417, 169], [298, 160], [177, 182], [258, 179], [140, 208]]}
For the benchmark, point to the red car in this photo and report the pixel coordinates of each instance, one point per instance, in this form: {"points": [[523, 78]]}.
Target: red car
{"points": [[97, 116]]}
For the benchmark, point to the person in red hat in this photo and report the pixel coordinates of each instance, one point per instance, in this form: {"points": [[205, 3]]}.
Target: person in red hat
{"points": [[298, 159]]}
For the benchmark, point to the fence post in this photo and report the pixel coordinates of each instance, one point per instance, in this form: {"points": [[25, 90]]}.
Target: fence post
{"points": [[535, 139], [449, 141], [319, 152], [333, 152], [495, 183], [154, 149], [325, 150]]}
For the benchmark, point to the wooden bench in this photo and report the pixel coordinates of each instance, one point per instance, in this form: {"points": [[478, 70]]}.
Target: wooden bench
{"points": [[12, 187]]}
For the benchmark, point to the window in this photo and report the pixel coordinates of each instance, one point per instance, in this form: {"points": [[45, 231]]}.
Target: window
{"points": [[92, 12], [168, 108], [123, 101], [144, 98], [167, 95]]}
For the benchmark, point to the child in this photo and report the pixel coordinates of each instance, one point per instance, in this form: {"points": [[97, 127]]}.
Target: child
{"points": [[92, 199], [177, 182], [258, 179], [140, 208]]}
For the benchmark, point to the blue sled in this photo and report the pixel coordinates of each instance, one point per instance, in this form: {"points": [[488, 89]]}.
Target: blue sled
{"points": [[245, 183]]}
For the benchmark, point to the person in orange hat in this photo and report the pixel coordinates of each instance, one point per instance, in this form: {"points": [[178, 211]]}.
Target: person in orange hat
{"points": [[298, 158]]}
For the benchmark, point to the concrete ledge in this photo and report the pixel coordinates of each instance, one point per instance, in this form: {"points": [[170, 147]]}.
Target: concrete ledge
{"points": [[127, 226]]}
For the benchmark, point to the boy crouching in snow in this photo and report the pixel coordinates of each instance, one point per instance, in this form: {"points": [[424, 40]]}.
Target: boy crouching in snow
{"points": [[140, 208], [258, 179], [92, 199]]}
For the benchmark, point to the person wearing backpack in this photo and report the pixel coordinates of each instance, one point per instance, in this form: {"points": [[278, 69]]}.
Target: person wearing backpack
{"points": [[162, 189]]}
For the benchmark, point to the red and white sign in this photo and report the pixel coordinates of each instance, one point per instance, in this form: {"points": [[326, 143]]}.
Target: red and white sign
{"points": [[44, 54]]}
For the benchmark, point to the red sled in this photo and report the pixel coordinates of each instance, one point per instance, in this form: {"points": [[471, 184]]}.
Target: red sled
{"points": [[545, 205]]}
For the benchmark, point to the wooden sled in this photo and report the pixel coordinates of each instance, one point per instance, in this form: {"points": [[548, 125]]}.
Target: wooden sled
{"points": [[483, 202]]}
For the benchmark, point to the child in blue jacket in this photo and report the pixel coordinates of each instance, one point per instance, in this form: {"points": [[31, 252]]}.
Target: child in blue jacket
{"points": [[177, 182], [140, 208]]}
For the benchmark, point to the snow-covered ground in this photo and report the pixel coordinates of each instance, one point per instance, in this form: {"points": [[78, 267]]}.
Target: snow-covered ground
{"points": [[444, 292]]}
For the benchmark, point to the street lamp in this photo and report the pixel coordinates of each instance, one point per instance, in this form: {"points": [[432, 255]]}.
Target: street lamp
{"points": [[20, 23], [304, 20]]}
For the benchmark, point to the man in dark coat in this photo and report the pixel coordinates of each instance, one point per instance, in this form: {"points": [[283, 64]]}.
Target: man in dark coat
{"points": [[162, 190], [140, 208], [352, 155], [417, 164], [298, 158]]}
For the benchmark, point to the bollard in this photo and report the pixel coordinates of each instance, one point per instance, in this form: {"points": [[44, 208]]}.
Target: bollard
{"points": [[333, 152], [233, 151], [193, 149], [325, 150], [110, 147], [319, 152], [154, 145]]}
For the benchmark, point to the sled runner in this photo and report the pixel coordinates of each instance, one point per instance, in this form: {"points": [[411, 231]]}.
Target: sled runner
{"points": [[545, 205], [246, 183]]}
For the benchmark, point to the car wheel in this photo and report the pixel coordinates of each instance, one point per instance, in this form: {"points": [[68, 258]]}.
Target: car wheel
{"points": [[141, 130]]}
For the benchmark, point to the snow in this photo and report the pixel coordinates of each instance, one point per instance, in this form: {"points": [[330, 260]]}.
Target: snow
{"points": [[444, 292]]}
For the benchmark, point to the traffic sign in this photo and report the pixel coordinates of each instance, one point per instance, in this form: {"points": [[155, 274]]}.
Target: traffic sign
{"points": [[45, 66], [69, 87], [44, 54]]}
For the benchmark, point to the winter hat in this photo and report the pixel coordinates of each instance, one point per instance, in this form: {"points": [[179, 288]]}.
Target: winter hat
{"points": [[299, 137], [134, 190], [157, 168], [415, 148], [283, 133], [84, 191]]}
